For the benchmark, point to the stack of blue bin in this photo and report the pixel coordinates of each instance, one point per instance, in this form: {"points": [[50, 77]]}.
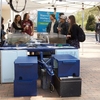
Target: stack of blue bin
{"points": [[67, 79], [26, 75]]}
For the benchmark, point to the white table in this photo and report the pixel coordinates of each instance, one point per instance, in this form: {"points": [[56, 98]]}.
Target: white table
{"points": [[7, 58]]}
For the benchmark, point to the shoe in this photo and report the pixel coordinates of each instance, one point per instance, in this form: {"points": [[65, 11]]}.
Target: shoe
{"points": [[96, 42]]}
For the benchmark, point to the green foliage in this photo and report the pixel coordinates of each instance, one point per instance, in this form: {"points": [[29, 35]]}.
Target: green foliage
{"points": [[90, 23], [91, 11]]}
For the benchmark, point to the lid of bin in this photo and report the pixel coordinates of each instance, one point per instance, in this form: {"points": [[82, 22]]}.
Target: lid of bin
{"points": [[26, 59], [64, 57]]}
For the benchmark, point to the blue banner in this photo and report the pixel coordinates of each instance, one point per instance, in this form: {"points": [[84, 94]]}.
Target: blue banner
{"points": [[43, 20]]}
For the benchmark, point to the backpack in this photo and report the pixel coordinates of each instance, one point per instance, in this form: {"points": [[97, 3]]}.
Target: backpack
{"points": [[81, 35]]}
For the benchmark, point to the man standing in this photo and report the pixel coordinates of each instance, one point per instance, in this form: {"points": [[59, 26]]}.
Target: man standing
{"points": [[59, 23], [97, 30], [64, 25], [52, 26]]}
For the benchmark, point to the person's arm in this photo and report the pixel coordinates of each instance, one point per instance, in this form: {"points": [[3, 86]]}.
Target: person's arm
{"points": [[48, 27], [57, 27], [23, 26], [96, 27], [32, 28], [3, 34], [74, 32], [32, 31], [2, 27], [64, 29], [16, 27]]}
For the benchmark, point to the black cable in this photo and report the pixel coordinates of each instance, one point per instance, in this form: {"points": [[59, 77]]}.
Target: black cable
{"points": [[12, 7]]}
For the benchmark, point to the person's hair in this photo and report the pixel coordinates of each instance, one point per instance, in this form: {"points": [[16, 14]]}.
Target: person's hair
{"points": [[53, 15], [98, 19], [15, 19], [25, 15], [61, 14], [2, 19], [72, 21]]}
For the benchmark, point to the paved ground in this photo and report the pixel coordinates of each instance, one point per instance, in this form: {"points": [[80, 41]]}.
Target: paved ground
{"points": [[90, 73]]}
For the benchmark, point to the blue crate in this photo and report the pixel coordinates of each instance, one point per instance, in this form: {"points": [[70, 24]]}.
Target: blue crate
{"points": [[66, 65], [25, 88], [26, 68]]}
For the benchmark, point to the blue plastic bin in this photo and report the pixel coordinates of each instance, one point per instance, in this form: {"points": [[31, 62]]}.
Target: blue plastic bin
{"points": [[25, 88], [66, 65], [26, 68]]}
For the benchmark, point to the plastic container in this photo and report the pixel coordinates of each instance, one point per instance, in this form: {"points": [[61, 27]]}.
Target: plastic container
{"points": [[18, 38], [65, 65], [26, 68], [25, 88]]}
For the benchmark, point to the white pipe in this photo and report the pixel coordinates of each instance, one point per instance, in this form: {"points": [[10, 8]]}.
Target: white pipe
{"points": [[12, 15], [82, 24]]}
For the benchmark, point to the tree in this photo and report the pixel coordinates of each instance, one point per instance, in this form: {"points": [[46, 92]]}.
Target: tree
{"points": [[90, 23], [90, 11]]}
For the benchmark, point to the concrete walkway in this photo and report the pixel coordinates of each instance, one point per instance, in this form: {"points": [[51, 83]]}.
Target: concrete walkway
{"points": [[90, 74]]}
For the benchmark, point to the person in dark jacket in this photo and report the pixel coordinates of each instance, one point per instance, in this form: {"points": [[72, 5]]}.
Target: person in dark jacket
{"points": [[16, 25], [2, 25], [52, 26], [97, 31], [2, 37], [72, 37], [60, 23], [63, 29]]}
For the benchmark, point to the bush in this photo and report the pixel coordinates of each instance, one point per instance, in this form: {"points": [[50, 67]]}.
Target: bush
{"points": [[90, 25]]}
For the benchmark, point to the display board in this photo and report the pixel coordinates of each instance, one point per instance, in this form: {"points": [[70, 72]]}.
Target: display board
{"points": [[43, 20]]}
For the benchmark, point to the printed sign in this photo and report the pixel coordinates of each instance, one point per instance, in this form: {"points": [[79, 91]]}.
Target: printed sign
{"points": [[43, 20]]}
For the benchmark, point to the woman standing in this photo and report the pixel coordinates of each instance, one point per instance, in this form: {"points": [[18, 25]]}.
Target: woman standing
{"points": [[16, 25], [27, 25], [72, 37]]}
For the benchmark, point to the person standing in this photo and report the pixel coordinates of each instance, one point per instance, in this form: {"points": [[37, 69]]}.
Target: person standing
{"points": [[27, 25], [52, 26], [17, 25], [60, 23], [60, 14], [2, 25], [63, 29], [97, 31], [72, 36], [3, 33]]}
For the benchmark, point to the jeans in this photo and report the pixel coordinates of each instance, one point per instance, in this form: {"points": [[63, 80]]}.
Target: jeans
{"points": [[97, 36]]}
